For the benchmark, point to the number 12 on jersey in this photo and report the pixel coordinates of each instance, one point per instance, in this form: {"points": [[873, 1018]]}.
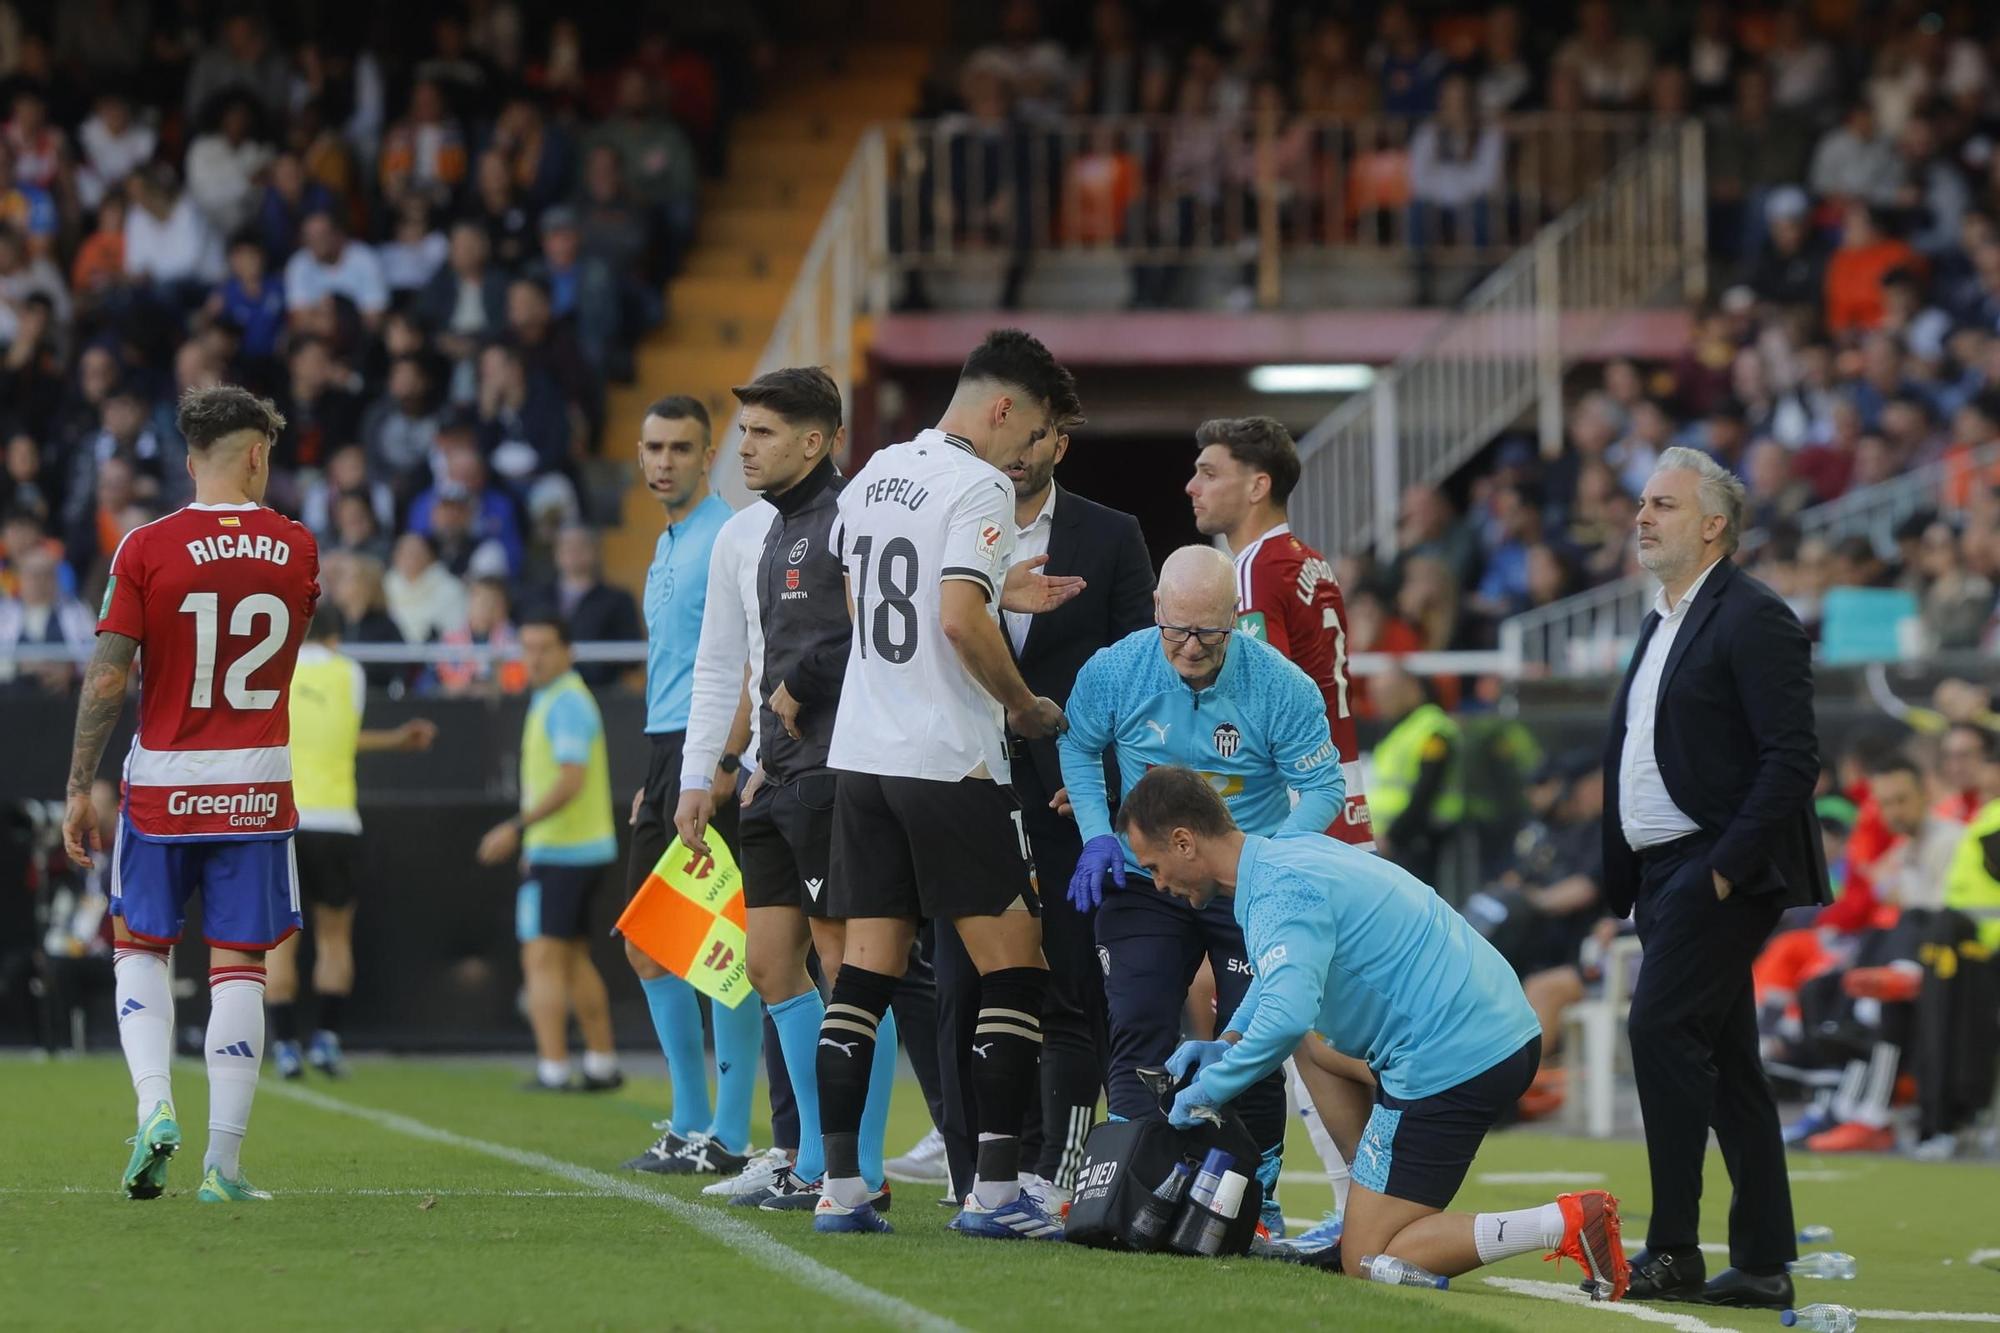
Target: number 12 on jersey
{"points": [[205, 607], [890, 624]]}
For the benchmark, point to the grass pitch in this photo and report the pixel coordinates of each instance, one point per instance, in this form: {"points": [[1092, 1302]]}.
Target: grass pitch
{"points": [[436, 1196]]}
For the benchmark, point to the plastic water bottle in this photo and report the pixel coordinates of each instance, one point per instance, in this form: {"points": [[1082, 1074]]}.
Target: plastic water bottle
{"points": [[1388, 1268], [1822, 1319], [1151, 1224], [1824, 1263], [1815, 1235]]}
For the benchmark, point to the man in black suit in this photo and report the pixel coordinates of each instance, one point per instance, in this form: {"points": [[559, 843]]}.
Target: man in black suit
{"points": [[1709, 834], [1105, 548], [595, 611]]}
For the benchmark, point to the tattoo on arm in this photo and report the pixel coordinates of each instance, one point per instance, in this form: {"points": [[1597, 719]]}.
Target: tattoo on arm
{"points": [[97, 710]]}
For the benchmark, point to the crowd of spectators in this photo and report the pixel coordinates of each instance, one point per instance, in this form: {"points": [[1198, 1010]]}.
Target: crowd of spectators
{"points": [[431, 234], [1854, 225]]}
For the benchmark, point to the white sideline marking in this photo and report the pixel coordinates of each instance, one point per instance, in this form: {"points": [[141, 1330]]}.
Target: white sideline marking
{"points": [[1567, 1293], [327, 1191], [1816, 1177], [1932, 1316], [1540, 1178], [740, 1236]]}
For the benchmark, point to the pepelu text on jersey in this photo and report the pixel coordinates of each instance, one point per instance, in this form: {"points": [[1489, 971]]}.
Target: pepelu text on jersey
{"points": [[896, 490], [246, 809], [239, 546]]}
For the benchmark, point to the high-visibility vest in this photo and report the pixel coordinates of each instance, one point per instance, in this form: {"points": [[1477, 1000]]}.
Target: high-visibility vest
{"points": [[582, 830], [326, 725], [1968, 888], [1425, 735]]}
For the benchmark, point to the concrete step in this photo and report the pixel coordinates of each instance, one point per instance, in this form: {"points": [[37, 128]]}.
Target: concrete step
{"points": [[742, 298], [717, 261], [790, 159], [758, 228], [834, 125], [771, 190]]}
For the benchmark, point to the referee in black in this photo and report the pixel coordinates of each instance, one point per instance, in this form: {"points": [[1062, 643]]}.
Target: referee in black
{"points": [[1709, 836]]}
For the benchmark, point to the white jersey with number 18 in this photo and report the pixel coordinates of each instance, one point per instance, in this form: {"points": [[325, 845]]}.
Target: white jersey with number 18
{"points": [[919, 515]]}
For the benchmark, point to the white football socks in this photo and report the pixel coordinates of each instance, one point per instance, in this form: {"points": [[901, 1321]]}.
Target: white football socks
{"points": [[1335, 1165], [235, 1047], [145, 997], [600, 1064], [1523, 1231]]}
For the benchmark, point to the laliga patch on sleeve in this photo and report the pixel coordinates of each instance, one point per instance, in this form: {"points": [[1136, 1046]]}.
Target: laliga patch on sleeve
{"points": [[1252, 624], [110, 591], [989, 543]]}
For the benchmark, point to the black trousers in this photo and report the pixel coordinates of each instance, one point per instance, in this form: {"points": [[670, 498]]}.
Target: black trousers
{"points": [[1153, 946], [1075, 1036], [1694, 1055]]}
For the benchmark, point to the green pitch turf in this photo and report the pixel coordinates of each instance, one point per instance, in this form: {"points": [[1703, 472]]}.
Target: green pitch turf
{"points": [[435, 1195]]}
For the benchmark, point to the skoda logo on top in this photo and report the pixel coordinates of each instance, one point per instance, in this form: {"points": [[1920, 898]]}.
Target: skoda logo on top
{"points": [[1227, 738]]}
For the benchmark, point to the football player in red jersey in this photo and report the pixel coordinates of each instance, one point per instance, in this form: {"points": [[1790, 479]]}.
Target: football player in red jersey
{"points": [[214, 600], [1287, 596]]}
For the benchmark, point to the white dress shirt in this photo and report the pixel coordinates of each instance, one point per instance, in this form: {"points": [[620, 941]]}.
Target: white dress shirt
{"points": [[1030, 542], [1646, 812]]}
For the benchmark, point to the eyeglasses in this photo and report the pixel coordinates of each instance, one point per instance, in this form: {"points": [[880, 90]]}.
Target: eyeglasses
{"points": [[1207, 638]]}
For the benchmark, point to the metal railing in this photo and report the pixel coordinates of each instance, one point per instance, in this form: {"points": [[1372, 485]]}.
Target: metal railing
{"points": [[1637, 237], [1589, 633], [1167, 187]]}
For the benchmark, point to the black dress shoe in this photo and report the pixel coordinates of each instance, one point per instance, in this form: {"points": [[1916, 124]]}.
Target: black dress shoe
{"points": [[1671, 1275], [1733, 1286]]}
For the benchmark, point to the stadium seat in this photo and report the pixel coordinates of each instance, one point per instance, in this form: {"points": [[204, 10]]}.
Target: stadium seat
{"points": [[1592, 1031]]}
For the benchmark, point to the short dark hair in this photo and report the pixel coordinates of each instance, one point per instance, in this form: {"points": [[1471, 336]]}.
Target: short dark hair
{"points": [[681, 407], [1009, 356], [1261, 444], [802, 395], [326, 622], [1173, 797], [1988, 750], [550, 618], [1896, 763], [211, 414]]}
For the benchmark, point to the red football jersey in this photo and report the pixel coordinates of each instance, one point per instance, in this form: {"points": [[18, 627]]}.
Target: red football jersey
{"points": [[218, 597], [1286, 595]]}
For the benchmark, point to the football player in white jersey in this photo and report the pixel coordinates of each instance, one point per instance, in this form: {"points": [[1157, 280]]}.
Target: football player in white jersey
{"points": [[925, 823]]}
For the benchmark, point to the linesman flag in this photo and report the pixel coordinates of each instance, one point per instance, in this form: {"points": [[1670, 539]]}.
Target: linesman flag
{"points": [[688, 918]]}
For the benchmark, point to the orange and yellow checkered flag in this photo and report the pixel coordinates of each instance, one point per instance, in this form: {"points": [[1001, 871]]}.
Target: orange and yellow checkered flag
{"points": [[688, 918]]}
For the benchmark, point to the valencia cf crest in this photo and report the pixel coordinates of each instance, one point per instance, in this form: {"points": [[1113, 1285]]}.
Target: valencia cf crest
{"points": [[1227, 738]]}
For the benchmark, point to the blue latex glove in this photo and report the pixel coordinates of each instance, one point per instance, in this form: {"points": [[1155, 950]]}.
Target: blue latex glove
{"points": [[1086, 886], [1191, 1057], [1193, 1106]]}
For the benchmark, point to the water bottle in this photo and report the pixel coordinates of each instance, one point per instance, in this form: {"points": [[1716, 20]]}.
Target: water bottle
{"points": [[1822, 1319], [1824, 1263], [1388, 1268], [1815, 1235], [1151, 1223]]}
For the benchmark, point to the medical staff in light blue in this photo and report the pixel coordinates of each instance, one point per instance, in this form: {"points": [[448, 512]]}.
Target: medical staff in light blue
{"points": [[1349, 945], [1192, 691]]}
